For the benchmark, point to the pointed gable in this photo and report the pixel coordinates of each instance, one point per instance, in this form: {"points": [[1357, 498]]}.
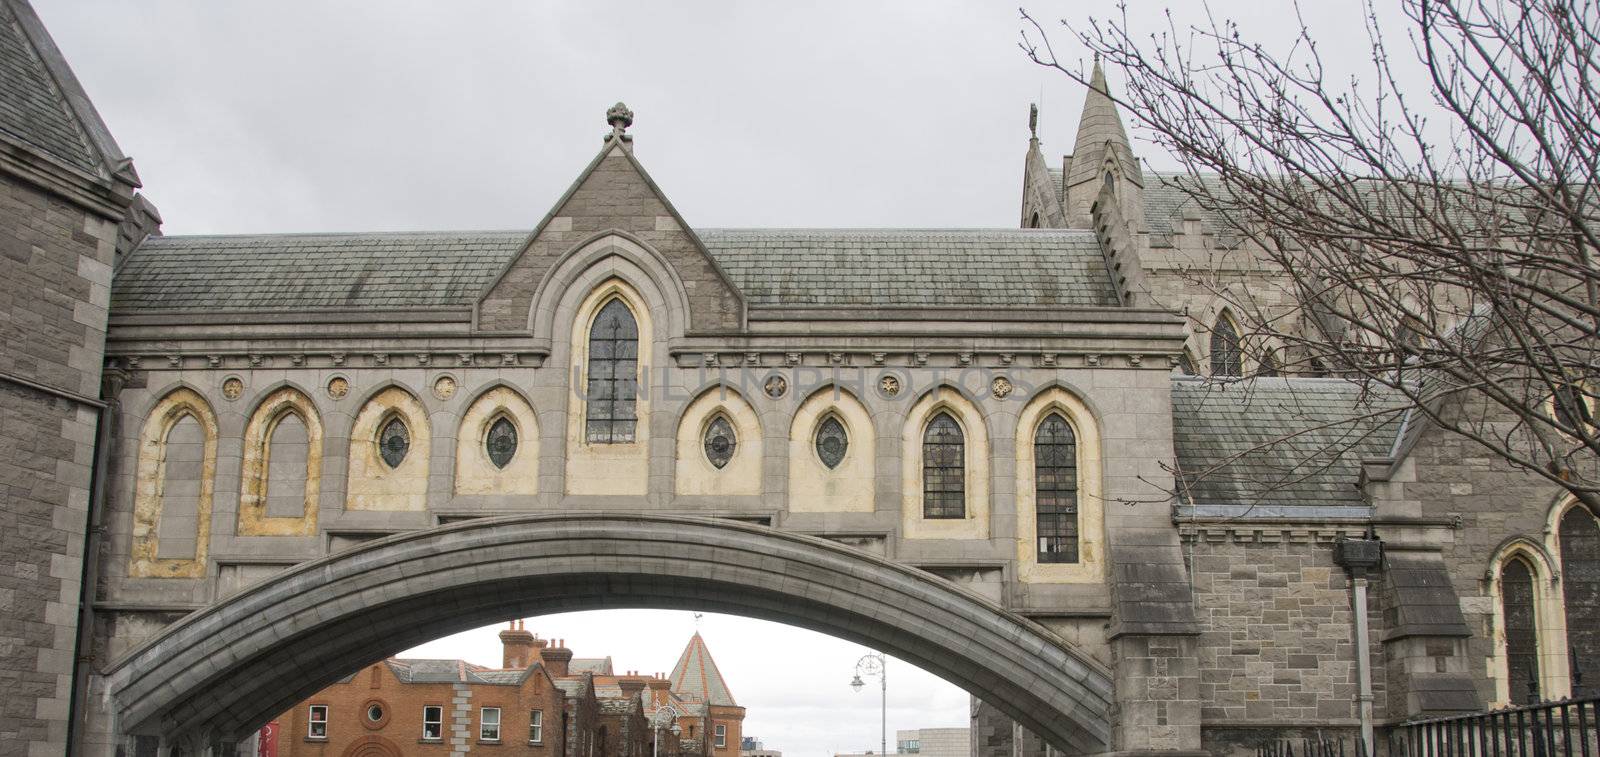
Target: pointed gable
{"points": [[614, 195], [1099, 130], [697, 678]]}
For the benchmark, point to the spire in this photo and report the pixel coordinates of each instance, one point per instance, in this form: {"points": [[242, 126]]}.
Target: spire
{"points": [[1100, 129], [696, 676]]}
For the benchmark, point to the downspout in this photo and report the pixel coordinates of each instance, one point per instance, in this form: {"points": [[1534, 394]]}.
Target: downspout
{"points": [[1358, 556], [93, 536]]}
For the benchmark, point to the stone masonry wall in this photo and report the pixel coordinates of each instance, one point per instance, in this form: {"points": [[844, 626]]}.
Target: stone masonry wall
{"points": [[1277, 642], [55, 275]]}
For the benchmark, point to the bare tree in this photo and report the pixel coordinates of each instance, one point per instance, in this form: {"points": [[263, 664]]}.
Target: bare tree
{"points": [[1450, 263]]}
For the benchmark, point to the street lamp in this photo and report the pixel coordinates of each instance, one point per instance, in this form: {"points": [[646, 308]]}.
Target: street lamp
{"points": [[665, 715], [875, 664]]}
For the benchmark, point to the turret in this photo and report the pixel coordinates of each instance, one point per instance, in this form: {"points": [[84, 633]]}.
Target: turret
{"points": [[1102, 158]]}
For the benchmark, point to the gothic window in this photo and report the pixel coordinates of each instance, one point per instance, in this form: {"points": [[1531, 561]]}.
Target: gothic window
{"points": [[944, 490], [1186, 364], [1517, 590], [1572, 408], [394, 441], [1269, 365], [288, 458], [1111, 181], [1034, 222], [1225, 348], [1580, 588], [611, 416], [501, 442], [720, 441], [1055, 471], [181, 490], [832, 442]]}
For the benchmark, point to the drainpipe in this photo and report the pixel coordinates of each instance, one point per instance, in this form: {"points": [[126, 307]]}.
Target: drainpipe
{"points": [[93, 536], [1357, 557]]}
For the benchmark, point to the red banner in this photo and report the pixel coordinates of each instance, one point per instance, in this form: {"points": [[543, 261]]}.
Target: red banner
{"points": [[267, 740]]}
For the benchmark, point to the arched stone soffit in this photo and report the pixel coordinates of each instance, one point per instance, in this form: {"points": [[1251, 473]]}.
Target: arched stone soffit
{"points": [[1526, 548], [610, 254], [227, 669], [156, 398]]}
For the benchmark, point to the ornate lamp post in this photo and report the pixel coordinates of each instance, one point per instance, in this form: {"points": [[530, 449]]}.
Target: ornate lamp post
{"points": [[876, 665], [666, 716]]}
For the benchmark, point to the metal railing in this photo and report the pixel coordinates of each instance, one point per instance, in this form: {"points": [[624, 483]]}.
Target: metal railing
{"points": [[1560, 728], [1312, 748]]}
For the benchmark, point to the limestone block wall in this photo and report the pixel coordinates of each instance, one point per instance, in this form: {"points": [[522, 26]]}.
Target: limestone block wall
{"points": [[55, 274]]}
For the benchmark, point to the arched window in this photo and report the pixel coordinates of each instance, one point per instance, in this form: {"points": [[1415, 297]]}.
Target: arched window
{"points": [[1034, 222], [720, 442], [944, 458], [613, 385], [832, 442], [1580, 588], [1517, 591], [182, 477], [288, 456], [501, 442], [1111, 182], [394, 441], [1186, 364], [1055, 470], [1225, 348]]}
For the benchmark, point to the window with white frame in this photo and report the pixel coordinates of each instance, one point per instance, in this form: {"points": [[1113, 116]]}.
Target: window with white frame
{"points": [[432, 722], [317, 721], [489, 724], [535, 726], [722, 736]]}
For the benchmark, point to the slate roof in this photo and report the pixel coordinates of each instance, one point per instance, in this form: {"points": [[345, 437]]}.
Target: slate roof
{"points": [[778, 267], [914, 267], [600, 666], [453, 671], [42, 105], [697, 678], [369, 271], [1278, 441]]}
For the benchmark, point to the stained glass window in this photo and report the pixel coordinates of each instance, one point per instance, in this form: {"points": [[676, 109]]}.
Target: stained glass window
{"points": [[1225, 348], [501, 442], [1055, 477], [720, 441], [613, 376], [394, 441], [1522, 641], [944, 463], [1580, 590], [1269, 365], [832, 442]]}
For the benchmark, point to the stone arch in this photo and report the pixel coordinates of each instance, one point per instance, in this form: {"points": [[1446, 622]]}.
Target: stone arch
{"points": [[1573, 535], [257, 468], [614, 468], [1548, 620], [1224, 333], [693, 473], [179, 407], [1091, 564], [814, 487], [610, 254], [232, 666], [975, 524], [475, 472], [372, 484]]}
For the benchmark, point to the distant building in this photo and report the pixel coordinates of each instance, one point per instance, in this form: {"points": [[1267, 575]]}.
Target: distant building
{"points": [[541, 702], [935, 742]]}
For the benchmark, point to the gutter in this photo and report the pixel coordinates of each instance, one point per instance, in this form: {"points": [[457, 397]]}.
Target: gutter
{"points": [[93, 535]]}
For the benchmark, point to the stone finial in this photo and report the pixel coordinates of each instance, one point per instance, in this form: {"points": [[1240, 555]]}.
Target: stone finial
{"points": [[620, 119], [1033, 120]]}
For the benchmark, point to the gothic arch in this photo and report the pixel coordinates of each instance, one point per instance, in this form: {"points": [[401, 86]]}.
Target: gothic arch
{"points": [[1091, 564], [620, 468], [372, 483], [1225, 346], [476, 472], [975, 522], [610, 254], [694, 474], [181, 409], [1550, 631], [227, 669], [849, 487], [256, 471]]}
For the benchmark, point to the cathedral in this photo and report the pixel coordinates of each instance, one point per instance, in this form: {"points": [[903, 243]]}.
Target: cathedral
{"points": [[1045, 427]]}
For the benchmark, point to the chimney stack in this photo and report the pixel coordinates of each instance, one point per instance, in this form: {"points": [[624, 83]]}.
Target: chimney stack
{"points": [[556, 659], [631, 686], [518, 646]]}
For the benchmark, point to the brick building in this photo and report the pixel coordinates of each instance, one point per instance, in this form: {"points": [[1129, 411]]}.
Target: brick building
{"points": [[541, 702], [203, 433]]}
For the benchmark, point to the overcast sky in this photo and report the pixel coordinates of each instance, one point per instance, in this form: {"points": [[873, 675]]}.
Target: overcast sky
{"points": [[295, 116]]}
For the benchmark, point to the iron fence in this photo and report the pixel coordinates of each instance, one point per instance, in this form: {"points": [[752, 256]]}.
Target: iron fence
{"points": [[1311, 748], [1560, 728]]}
